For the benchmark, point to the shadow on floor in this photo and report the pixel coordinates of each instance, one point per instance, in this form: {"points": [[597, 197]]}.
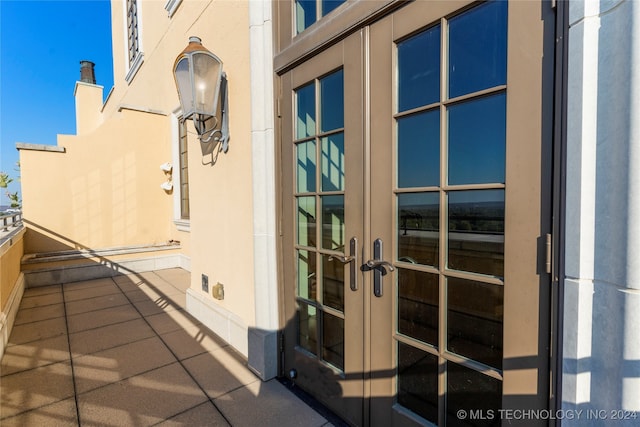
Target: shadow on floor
{"points": [[123, 351]]}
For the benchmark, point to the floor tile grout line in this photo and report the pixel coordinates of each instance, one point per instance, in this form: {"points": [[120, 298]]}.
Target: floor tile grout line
{"points": [[104, 326], [71, 301], [5, 376], [39, 338], [38, 306], [80, 332], [182, 365], [78, 356], [19, 414], [190, 409], [121, 380], [39, 320], [73, 373], [30, 292], [167, 282], [98, 310]]}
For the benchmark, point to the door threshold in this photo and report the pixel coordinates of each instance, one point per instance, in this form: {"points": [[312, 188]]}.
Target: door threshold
{"points": [[312, 402]]}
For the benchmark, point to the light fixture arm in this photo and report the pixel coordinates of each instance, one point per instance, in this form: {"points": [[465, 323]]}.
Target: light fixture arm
{"points": [[222, 134]]}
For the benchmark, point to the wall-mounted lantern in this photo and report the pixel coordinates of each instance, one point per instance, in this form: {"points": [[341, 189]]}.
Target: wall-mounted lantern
{"points": [[202, 86]]}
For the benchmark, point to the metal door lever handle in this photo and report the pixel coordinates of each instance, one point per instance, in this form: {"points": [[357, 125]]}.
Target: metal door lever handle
{"points": [[346, 259], [342, 259], [379, 267], [379, 263]]}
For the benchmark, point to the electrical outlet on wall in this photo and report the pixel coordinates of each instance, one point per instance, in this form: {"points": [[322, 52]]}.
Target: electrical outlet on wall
{"points": [[205, 283], [217, 291]]}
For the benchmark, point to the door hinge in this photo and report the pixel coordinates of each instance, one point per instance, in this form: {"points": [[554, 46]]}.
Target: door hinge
{"points": [[279, 107], [547, 264]]}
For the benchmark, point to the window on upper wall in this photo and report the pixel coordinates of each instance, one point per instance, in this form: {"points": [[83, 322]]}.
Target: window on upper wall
{"points": [[134, 44], [171, 6], [309, 11], [180, 172], [184, 169]]}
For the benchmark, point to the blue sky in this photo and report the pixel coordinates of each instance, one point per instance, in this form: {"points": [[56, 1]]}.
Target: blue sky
{"points": [[41, 46]]}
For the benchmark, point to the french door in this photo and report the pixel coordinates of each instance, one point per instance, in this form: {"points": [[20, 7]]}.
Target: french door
{"points": [[415, 177]]}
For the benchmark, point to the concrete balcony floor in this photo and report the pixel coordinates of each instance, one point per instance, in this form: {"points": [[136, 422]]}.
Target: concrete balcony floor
{"points": [[122, 351]]}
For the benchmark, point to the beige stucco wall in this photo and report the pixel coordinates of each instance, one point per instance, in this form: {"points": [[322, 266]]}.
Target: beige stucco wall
{"points": [[10, 254], [221, 240], [105, 189], [88, 107], [221, 188]]}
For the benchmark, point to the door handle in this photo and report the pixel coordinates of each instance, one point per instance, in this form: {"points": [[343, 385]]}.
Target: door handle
{"points": [[342, 259], [346, 259], [379, 263], [379, 267]]}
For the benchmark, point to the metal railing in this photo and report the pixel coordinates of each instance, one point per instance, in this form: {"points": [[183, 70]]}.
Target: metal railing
{"points": [[10, 220]]}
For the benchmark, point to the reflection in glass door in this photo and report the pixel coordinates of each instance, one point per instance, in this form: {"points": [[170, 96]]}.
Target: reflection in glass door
{"points": [[323, 215], [450, 180], [409, 146], [319, 132]]}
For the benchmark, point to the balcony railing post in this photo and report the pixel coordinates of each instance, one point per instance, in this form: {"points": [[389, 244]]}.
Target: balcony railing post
{"points": [[13, 219]]}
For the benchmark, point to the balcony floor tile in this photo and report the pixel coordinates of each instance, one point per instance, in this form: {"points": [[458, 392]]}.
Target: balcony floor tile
{"points": [[33, 331], [34, 388], [28, 315], [34, 354], [125, 350]]}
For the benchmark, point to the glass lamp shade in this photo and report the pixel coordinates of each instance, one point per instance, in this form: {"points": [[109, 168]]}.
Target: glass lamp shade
{"points": [[197, 73]]}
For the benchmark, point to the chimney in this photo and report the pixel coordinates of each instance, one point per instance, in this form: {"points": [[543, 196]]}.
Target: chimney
{"points": [[87, 74]]}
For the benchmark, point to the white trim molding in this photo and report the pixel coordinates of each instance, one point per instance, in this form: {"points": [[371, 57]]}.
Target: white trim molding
{"points": [[263, 336], [601, 304], [172, 6], [180, 223], [219, 320], [132, 67]]}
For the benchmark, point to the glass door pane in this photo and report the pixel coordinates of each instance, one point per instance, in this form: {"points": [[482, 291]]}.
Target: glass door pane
{"points": [[326, 149], [449, 216], [322, 215]]}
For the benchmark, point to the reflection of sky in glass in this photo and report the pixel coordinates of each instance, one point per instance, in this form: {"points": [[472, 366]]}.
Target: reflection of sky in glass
{"points": [[306, 166], [332, 163], [477, 140], [329, 5], [478, 49], [332, 102], [427, 201], [476, 196], [419, 150], [305, 14], [419, 70], [306, 114]]}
